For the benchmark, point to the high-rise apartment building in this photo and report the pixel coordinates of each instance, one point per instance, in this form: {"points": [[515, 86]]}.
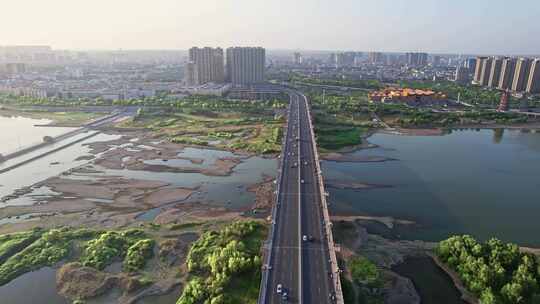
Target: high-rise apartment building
{"points": [[470, 64], [462, 75], [521, 74], [345, 59], [436, 60], [533, 83], [480, 61], [495, 72], [191, 75], [485, 71], [376, 57], [417, 59], [298, 59], [207, 65], [245, 65], [506, 78]]}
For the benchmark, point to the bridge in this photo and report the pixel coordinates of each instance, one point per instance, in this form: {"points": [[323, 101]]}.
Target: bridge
{"points": [[300, 253]]}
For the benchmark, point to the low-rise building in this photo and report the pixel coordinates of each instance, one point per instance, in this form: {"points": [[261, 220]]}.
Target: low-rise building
{"points": [[411, 97], [215, 89]]}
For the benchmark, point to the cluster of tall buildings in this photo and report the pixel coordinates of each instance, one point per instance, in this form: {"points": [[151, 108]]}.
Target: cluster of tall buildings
{"points": [[410, 59], [417, 59], [344, 59], [239, 65], [507, 73]]}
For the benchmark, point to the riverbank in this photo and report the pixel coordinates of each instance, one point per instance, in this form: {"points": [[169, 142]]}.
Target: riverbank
{"points": [[56, 118]]}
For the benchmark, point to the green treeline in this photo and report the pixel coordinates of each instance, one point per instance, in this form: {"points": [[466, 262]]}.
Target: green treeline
{"points": [[467, 93], [193, 103], [224, 266], [352, 83], [497, 272]]}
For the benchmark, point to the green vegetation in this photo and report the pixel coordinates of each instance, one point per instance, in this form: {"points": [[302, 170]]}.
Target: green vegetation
{"points": [[13, 243], [58, 118], [27, 251], [138, 254], [224, 266], [339, 137], [235, 124], [347, 287], [364, 283], [412, 117], [194, 103], [468, 93], [363, 271], [103, 250], [268, 140], [185, 225], [340, 121], [188, 141], [50, 248], [351, 83], [497, 272]]}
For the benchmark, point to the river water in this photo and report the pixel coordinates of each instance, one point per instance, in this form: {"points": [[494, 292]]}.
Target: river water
{"points": [[18, 132], [480, 182]]}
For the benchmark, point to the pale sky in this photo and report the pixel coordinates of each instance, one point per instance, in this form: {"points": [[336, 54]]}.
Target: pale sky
{"points": [[457, 26]]}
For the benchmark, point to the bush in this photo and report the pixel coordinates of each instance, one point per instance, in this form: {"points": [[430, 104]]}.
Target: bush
{"points": [[496, 272], [111, 245], [217, 258], [364, 271], [138, 254]]}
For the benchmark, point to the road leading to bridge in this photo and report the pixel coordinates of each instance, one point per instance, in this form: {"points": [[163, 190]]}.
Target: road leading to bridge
{"points": [[299, 256]]}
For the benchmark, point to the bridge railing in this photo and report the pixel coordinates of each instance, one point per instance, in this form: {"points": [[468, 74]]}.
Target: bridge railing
{"points": [[328, 224]]}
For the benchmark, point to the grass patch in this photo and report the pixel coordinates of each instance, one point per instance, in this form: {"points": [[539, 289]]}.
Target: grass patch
{"points": [[335, 138], [184, 226]]}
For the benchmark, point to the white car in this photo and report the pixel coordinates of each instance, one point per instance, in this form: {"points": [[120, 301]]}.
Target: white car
{"points": [[279, 288], [302, 181], [304, 238]]}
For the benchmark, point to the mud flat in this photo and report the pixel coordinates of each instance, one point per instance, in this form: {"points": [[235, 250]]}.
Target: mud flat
{"points": [[388, 221], [416, 132], [96, 200], [352, 158], [196, 212], [264, 194], [350, 185], [129, 155]]}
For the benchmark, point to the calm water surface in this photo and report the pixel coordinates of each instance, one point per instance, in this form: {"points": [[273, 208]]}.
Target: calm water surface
{"points": [[19, 132], [485, 183]]}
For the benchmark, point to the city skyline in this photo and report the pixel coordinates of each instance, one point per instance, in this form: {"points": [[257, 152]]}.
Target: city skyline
{"points": [[443, 27]]}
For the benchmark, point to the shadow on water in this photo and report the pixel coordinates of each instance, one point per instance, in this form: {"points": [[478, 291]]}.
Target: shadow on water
{"points": [[432, 284], [433, 218], [37, 287]]}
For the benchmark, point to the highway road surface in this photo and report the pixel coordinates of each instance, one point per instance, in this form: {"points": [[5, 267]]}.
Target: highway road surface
{"points": [[299, 258]]}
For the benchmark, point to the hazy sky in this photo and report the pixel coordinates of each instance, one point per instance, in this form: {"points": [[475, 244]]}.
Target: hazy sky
{"points": [[459, 26]]}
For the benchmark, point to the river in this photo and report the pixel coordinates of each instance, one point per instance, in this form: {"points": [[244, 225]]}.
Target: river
{"points": [[27, 132], [481, 182]]}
